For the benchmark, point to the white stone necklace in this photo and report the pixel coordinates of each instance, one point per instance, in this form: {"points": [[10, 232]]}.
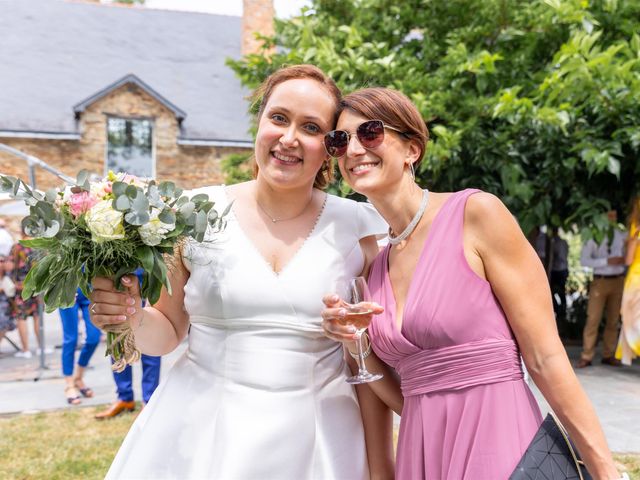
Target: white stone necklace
{"points": [[413, 223], [276, 220]]}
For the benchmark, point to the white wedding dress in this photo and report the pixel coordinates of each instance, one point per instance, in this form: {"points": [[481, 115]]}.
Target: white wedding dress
{"points": [[260, 392]]}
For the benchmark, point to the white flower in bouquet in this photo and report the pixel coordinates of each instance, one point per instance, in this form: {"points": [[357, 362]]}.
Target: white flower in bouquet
{"points": [[154, 232], [104, 222]]}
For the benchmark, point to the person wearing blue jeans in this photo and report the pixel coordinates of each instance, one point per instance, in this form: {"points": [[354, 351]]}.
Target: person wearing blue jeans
{"points": [[124, 383], [74, 383]]}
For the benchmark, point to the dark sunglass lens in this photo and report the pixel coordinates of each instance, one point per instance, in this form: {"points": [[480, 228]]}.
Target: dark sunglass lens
{"points": [[336, 143], [371, 133]]}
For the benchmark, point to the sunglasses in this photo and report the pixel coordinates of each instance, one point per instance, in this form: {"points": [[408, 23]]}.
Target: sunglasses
{"points": [[370, 134]]}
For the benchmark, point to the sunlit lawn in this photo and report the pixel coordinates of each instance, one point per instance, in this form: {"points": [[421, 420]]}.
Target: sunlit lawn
{"points": [[71, 444]]}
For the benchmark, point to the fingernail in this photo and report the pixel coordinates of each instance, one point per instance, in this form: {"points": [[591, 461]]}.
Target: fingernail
{"points": [[131, 310], [122, 318], [342, 312], [351, 329], [131, 301], [126, 280], [335, 298]]}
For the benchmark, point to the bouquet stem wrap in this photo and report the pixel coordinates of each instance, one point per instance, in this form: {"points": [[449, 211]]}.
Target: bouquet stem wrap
{"points": [[121, 345]]}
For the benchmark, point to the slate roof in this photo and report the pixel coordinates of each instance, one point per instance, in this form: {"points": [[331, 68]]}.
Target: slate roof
{"points": [[56, 54]]}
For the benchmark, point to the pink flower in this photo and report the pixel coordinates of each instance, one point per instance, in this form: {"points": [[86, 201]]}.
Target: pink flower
{"points": [[80, 203]]}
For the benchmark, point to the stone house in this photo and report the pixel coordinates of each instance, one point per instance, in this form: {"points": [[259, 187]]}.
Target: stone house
{"points": [[108, 87]]}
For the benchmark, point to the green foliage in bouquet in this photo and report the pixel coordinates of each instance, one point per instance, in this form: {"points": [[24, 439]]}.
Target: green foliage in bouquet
{"points": [[107, 228]]}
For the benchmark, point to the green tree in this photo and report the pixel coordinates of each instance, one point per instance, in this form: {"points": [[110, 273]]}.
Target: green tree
{"points": [[535, 101]]}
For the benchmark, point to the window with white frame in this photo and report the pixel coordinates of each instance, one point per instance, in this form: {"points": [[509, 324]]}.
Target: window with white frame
{"points": [[130, 146]]}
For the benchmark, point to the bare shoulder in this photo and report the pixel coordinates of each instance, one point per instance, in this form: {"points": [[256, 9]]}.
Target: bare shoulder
{"points": [[490, 222], [484, 207]]}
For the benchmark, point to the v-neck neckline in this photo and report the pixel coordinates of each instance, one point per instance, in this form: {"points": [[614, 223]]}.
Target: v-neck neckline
{"points": [[298, 251], [387, 275]]}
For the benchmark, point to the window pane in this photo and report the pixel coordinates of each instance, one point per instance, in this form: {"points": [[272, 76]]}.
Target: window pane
{"points": [[130, 146]]}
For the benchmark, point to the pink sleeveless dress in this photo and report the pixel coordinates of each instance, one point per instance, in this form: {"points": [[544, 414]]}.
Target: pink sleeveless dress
{"points": [[468, 414]]}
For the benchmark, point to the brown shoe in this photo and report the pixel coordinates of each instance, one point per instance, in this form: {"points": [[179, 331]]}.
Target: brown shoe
{"points": [[582, 363], [115, 409], [612, 361]]}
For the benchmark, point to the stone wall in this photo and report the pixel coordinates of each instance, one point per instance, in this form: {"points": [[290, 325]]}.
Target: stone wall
{"points": [[188, 166]]}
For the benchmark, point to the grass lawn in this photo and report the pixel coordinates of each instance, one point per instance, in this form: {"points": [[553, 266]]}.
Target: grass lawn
{"points": [[71, 444]]}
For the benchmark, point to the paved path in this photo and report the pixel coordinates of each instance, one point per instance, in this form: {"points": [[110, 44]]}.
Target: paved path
{"points": [[24, 387]]}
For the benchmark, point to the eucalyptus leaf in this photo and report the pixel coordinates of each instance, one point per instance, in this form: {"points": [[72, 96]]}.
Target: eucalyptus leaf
{"points": [[51, 195], [199, 198], [167, 189], [167, 216], [83, 179], [118, 188], [137, 218], [132, 191], [140, 203], [201, 222], [122, 203], [187, 209], [153, 195], [52, 230], [6, 183]]}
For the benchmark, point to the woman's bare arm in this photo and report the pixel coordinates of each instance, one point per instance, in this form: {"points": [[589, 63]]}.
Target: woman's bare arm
{"points": [[519, 282], [158, 329]]}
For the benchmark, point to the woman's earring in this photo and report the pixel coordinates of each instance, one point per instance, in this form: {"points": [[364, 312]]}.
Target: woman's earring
{"points": [[412, 171]]}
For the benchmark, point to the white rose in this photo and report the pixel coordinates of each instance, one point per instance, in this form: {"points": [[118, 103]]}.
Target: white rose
{"points": [[104, 222], [153, 232]]}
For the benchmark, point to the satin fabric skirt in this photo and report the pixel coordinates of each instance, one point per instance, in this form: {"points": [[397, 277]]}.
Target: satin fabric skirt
{"points": [[257, 403]]}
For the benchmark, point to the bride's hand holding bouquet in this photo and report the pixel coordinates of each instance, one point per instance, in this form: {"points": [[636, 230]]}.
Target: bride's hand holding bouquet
{"points": [[108, 228]]}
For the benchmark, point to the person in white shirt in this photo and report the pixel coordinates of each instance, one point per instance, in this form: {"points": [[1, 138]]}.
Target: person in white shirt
{"points": [[7, 291], [6, 240], [607, 261]]}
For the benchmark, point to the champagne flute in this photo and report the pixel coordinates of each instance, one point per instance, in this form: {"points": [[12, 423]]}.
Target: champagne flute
{"points": [[360, 316]]}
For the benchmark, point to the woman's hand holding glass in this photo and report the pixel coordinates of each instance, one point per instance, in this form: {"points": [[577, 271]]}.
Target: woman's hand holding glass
{"points": [[346, 323]]}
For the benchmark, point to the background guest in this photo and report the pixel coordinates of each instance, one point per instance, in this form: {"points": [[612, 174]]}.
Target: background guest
{"points": [[7, 292], [559, 273], [629, 343], [74, 384], [607, 261]]}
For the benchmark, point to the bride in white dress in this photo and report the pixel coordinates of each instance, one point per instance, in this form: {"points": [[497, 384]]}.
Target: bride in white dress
{"points": [[260, 392]]}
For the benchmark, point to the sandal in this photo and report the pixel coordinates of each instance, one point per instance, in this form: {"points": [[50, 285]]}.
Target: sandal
{"points": [[72, 399], [85, 391]]}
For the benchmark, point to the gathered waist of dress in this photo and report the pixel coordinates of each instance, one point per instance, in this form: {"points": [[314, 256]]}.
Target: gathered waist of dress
{"points": [[460, 366]]}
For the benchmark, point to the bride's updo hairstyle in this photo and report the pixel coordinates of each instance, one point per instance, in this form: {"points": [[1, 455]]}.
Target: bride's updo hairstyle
{"points": [[394, 109], [299, 72]]}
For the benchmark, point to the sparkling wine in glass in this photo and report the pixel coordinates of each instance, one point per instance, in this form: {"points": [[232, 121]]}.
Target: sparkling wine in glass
{"points": [[359, 316]]}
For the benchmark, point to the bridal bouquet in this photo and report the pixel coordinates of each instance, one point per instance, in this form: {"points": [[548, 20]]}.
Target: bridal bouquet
{"points": [[108, 228]]}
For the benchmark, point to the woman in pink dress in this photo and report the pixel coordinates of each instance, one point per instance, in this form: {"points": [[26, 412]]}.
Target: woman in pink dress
{"points": [[461, 295]]}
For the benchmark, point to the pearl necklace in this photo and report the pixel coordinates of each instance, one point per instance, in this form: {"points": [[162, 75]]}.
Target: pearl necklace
{"points": [[276, 220], [413, 223]]}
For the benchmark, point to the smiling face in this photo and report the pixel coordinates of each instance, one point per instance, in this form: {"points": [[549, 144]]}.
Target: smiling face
{"points": [[289, 149], [370, 170]]}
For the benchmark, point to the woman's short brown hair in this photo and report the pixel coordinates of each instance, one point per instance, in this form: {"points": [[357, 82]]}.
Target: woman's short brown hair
{"points": [[299, 72], [394, 108]]}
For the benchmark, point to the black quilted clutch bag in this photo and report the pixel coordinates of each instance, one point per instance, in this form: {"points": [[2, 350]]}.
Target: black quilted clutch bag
{"points": [[550, 456]]}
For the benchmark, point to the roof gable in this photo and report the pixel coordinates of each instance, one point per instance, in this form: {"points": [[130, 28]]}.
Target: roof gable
{"points": [[129, 79]]}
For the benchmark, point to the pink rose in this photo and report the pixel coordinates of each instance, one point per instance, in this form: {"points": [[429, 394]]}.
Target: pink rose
{"points": [[80, 203]]}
